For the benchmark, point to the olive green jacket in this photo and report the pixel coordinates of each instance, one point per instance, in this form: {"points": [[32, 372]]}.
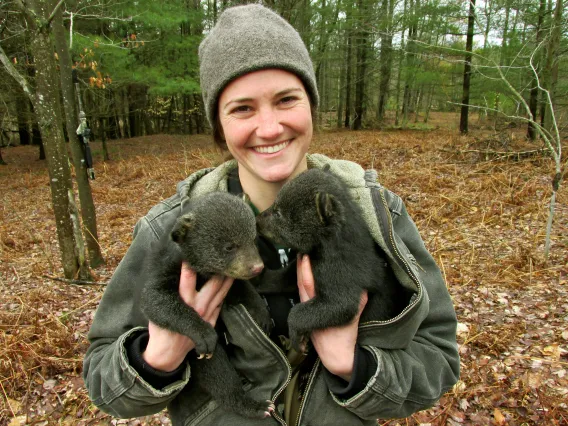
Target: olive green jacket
{"points": [[416, 352]]}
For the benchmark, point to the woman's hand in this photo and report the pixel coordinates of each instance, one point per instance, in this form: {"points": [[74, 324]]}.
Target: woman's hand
{"points": [[166, 349], [335, 345]]}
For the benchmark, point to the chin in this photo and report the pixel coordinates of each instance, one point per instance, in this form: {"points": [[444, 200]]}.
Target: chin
{"points": [[279, 173]]}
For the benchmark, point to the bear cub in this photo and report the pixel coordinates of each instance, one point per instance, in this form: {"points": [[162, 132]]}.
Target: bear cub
{"points": [[215, 235], [315, 215]]}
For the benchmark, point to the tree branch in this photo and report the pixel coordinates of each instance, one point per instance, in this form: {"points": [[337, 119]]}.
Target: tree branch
{"points": [[74, 282], [15, 74], [29, 15], [57, 6]]}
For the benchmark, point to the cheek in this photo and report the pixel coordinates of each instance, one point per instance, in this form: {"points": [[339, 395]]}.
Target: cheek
{"points": [[236, 133], [301, 121]]}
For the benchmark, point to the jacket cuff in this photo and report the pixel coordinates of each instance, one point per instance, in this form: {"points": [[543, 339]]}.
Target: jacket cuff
{"points": [[135, 346], [364, 368]]}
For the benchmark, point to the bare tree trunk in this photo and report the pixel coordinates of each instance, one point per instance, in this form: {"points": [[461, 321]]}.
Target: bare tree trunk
{"points": [[362, 35], [198, 101], [341, 98], [385, 60], [488, 12], [551, 67], [410, 60], [88, 213], [47, 108], [36, 134], [503, 51], [399, 76], [102, 121], [417, 103], [190, 117], [349, 19], [184, 116], [429, 103], [533, 99], [467, 69]]}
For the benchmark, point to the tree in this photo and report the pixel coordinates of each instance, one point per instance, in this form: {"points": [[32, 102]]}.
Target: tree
{"points": [[386, 57], [361, 70], [38, 15], [88, 214], [464, 116], [348, 61], [533, 101]]}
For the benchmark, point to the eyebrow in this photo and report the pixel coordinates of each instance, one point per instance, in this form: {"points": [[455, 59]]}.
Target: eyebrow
{"points": [[245, 99]]}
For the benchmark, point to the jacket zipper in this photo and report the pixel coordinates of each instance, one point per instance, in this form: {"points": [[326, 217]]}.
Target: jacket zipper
{"points": [[392, 244], [385, 217], [310, 381], [283, 356]]}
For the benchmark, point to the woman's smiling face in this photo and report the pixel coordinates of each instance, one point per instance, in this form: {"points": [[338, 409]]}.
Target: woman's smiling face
{"points": [[266, 121]]}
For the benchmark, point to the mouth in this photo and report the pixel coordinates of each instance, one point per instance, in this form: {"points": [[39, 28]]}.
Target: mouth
{"points": [[272, 149]]}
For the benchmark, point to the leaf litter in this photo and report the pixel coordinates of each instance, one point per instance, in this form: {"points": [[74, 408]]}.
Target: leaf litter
{"points": [[482, 218]]}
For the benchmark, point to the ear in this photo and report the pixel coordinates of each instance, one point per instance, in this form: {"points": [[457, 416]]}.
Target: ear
{"points": [[329, 208], [326, 167], [182, 227]]}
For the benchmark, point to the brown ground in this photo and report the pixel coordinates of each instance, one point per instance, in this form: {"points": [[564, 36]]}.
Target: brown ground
{"points": [[483, 219]]}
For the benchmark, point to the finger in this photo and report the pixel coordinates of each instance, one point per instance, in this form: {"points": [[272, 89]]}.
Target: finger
{"points": [[210, 289], [305, 279], [363, 302], [222, 293], [308, 277], [215, 316], [301, 289], [187, 283]]}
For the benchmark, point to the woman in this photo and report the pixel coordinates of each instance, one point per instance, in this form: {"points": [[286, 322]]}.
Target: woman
{"points": [[260, 96]]}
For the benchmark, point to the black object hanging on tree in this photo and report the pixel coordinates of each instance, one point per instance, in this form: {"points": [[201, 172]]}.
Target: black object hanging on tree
{"points": [[85, 135], [88, 155]]}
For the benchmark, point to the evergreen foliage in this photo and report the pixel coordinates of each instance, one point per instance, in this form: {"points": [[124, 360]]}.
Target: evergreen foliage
{"points": [[378, 63]]}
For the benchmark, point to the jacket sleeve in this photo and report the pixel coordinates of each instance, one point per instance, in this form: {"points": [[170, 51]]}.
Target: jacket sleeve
{"points": [[113, 384], [415, 375]]}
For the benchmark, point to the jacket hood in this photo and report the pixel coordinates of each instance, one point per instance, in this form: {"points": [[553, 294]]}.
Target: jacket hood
{"points": [[215, 178], [352, 174]]}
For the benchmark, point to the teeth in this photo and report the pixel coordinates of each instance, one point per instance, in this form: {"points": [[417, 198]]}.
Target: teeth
{"points": [[271, 149]]}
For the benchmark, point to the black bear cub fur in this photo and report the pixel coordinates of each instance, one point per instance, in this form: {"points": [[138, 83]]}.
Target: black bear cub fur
{"points": [[315, 215], [215, 235]]}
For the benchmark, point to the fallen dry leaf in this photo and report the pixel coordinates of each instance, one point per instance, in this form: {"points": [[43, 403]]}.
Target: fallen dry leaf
{"points": [[498, 417], [482, 220]]}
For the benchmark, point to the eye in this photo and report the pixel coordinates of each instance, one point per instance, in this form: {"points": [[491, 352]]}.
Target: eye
{"points": [[241, 109], [230, 247], [288, 99]]}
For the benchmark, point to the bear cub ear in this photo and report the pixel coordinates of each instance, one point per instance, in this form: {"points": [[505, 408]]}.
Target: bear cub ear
{"points": [[329, 208], [182, 227]]}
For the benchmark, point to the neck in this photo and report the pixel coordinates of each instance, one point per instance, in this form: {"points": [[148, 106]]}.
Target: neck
{"points": [[263, 193]]}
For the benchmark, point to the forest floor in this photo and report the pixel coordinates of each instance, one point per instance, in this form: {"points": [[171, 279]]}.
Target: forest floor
{"points": [[482, 216]]}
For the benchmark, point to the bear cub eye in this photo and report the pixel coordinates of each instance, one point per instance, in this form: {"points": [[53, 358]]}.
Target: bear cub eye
{"points": [[230, 247]]}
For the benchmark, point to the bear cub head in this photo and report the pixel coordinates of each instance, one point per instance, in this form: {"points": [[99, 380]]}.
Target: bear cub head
{"points": [[217, 236], [308, 210]]}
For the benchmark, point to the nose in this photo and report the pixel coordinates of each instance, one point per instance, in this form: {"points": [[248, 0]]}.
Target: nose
{"points": [[269, 126], [256, 269]]}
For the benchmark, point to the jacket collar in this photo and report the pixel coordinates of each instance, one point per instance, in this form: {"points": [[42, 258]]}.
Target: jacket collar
{"points": [[215, 179]]}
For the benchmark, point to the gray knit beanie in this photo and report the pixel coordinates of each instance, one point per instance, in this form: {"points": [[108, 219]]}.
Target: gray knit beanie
{"points": [[251, 38]]}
